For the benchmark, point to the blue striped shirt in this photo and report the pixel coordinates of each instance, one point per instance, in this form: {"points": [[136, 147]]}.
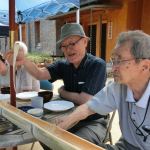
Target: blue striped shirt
{"points": [[89, 77]]}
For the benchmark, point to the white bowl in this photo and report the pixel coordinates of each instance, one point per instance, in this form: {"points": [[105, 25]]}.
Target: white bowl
{"points": [[35, 112]]}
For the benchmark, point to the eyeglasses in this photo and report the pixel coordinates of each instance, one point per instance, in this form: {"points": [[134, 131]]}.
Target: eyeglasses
{"points": [[70, 46], [117, 62]]}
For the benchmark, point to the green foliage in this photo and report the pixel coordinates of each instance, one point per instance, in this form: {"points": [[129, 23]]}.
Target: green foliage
{"points": [[38, 55]]}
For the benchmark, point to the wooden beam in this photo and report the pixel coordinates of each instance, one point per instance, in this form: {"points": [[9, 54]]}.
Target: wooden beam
{"points": [[107, 8], [104, 21]]}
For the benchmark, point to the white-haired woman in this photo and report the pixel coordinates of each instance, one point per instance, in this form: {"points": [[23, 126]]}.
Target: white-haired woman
{"points": [[24, 81]]}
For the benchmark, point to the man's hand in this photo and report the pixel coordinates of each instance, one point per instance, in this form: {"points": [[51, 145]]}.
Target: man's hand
{"points": [[20, 60], [80, 113], [60, 123], [62, 87]]}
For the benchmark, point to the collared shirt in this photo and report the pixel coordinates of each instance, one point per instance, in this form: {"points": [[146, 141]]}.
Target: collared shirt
{"points": [[119, 96], [24, 81], [143, 100], [89, 77]]}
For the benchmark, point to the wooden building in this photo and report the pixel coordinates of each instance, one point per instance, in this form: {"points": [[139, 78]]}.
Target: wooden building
{"points": [[103, 20], [108, 18]]}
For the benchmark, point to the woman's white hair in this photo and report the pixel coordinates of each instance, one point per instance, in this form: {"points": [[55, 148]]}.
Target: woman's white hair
{"points": [[23, 45]]}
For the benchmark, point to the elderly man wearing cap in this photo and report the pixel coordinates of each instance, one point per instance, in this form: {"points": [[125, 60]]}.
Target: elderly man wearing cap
{"points": [[83, 76]]}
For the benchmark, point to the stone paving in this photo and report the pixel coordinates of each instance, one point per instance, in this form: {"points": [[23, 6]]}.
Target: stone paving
{"points": [[115, 126]]}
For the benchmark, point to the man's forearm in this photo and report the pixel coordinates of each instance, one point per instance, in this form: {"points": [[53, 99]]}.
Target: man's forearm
{"points": [[35, 71], [77, 98], [32, 69], [80, 113]]}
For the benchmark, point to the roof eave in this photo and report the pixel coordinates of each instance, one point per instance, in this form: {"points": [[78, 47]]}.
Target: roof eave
{"points": [[101, 7]]}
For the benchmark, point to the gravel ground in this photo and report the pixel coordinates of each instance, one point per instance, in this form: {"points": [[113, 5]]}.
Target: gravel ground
{"points": [[115, 125]]}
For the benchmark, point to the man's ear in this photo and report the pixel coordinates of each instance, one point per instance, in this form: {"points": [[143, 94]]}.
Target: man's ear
{"points": [[146, 65], [85, 41]]}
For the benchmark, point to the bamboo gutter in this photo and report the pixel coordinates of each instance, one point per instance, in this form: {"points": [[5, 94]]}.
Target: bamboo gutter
{"points": [[49, 134]]}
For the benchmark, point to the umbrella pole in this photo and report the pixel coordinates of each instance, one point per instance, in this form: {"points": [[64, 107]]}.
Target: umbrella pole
{"points": [[20, 33], [11, 43], [78, 16]]}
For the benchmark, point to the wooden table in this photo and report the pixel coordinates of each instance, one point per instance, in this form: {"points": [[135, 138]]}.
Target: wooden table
{"points": [[20, 137]]}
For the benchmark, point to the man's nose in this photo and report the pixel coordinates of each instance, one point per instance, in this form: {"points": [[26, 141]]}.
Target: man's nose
{"points": [[68, 49], [114, 67]]}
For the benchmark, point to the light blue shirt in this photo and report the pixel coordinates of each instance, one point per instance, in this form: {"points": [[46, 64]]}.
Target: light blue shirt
{"points": [[117, 96]]}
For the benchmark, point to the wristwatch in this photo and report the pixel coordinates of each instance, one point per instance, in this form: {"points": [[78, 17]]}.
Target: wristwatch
{"points": [[60, 92]]}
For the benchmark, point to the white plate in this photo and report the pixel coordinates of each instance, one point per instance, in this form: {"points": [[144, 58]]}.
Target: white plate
{"points": [[58, 105], [4, 96], [26, 95]]}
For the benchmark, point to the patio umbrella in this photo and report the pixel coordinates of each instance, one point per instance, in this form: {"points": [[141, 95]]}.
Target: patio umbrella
{"points": [[33, 9], [26, 10]]}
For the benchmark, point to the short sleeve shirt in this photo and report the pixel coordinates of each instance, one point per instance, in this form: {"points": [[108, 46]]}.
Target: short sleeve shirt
{"points": [[24, 81], [89, 77], [115, 96]]}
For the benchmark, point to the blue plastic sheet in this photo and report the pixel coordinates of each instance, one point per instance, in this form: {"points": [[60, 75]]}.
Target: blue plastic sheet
{"points": [[4, 30], [27, 10]]}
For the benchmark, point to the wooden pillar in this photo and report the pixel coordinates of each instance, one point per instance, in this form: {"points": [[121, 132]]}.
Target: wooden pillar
{"points": [[99, 37], [11, 43]]}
